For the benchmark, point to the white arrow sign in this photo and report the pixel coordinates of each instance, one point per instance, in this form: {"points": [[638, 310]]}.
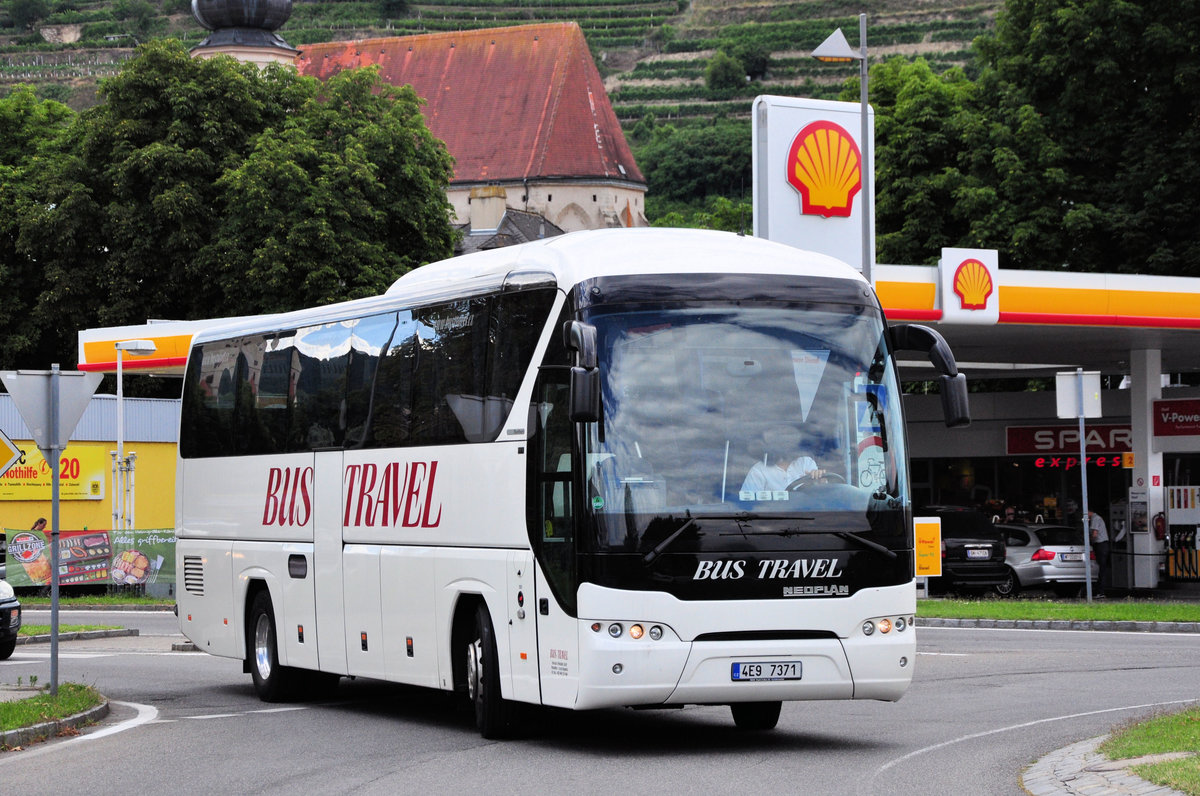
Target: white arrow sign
{"points": [[10, 454]]}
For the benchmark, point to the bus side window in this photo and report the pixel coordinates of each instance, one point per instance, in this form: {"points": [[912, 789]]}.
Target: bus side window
{"points": [[319, 418]]}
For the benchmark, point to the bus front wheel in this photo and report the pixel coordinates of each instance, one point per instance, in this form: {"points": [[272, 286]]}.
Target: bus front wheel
{"points": [[493, 714], [756, 715], [272, 682]]}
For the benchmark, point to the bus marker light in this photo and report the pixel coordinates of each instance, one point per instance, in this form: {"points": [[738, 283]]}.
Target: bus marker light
{"points": [[524, 656], [635, 631], [885, 626], [595, 626], [655, 633], [615, 630], [227, 621], [900, 624], [903, 662], [618, 668], [868, 627]]}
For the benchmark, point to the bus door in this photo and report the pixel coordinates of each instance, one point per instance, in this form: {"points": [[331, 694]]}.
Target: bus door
{"points": [[327, 561], [552, 534]]}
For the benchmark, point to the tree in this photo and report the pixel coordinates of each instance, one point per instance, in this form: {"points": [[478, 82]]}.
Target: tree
{"points": [[26, 14], [754, 56], [1112, 86], [690, 163], [137, 197], [724, 71], [27, 127], [362, 183]]}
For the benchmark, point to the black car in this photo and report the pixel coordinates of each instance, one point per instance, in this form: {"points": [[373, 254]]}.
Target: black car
{"points": [[973, 550], [10, 620]]}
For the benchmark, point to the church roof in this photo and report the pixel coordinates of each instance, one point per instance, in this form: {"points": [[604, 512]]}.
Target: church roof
{"points": [[513, 103]]}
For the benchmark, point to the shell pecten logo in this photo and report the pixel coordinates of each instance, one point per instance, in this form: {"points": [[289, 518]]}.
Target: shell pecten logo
{"points": [[825, 166], [972, 284]]}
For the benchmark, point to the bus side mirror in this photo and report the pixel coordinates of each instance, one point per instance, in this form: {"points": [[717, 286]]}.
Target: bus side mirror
{"points": [[584, 402], [912, 337], [585, 395]]}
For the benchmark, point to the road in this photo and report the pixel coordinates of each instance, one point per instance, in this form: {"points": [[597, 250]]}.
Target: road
{"points": [[984, 705]]}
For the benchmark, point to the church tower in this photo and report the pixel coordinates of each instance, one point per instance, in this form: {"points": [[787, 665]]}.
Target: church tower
{"points": [[244, 29]]}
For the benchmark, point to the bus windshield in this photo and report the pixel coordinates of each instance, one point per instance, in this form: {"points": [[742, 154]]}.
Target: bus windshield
{"points": [[746, 412]]}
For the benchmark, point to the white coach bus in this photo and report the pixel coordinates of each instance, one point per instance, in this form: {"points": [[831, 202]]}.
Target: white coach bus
{"points": [[526, 475]]}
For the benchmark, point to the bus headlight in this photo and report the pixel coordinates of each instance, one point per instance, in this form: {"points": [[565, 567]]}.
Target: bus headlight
{"points": [[655, 633], [868, 628]]}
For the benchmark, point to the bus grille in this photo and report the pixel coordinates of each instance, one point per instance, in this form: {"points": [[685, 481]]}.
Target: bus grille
{"points": [[193, 575]]}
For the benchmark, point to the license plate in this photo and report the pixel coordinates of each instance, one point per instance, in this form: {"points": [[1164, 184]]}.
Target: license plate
{"points": [[979, 554], [767, 670], [1072, 556]]}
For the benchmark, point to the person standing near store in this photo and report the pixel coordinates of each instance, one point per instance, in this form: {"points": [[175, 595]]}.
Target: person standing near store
{"points": [[1099, 536]]}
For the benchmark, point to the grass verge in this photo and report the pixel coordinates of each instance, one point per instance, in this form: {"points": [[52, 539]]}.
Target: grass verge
{"points": [[1176, 732], [1112, 610], [72, 698], [44, 630], [29, 601]]}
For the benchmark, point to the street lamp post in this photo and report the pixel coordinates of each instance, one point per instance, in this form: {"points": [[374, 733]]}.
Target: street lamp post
{"points": [[836, 49], [121, 465]]}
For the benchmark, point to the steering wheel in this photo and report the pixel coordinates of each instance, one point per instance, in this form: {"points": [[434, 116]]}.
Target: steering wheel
{"points": [[806, 480]]}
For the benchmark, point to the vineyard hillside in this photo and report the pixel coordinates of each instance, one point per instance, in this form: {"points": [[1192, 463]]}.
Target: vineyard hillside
{"points": [[652, 53]]}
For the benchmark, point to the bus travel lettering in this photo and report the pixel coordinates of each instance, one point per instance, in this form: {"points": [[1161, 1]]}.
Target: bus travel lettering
{"points": [[400, 496], [289, 500], [769, 569]]}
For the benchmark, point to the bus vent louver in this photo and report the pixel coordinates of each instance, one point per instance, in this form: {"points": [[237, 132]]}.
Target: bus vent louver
{"points": [[193, 575]]}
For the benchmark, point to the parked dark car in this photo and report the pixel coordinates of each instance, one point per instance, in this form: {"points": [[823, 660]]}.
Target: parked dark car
{"points": [[972, 550], [1045, 557], [10, 620]]}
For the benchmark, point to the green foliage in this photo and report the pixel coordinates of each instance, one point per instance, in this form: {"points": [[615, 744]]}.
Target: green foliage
{"points": [[754, 57], [690, 163], [1107, 92], [365, 184], [724, 71], [72, 698], [390, 9], [204, 187], [718, 212], [26, 14]]}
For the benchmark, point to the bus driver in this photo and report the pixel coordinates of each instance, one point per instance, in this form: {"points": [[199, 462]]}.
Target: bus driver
{"points": [[782, 462]]}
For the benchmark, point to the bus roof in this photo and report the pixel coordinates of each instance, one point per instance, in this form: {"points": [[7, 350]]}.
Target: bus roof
{"points": [[566, 259]]}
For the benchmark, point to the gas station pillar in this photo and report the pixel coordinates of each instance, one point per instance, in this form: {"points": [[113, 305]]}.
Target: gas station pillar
{"points": [[1145, 371]]}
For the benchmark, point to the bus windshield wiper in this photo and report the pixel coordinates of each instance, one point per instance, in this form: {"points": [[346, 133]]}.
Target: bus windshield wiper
{"points": [[865, 542], [650, 557]]}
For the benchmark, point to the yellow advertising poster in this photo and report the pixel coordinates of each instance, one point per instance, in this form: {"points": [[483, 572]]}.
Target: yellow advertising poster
{"points": [[929, 546], [82, 474]]}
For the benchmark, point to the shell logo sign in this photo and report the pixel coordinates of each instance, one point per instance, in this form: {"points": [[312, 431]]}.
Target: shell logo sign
{"points": [[825, 166], [970, 290], [972, 284]]}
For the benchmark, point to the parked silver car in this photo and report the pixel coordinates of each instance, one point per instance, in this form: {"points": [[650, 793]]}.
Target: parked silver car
{"points": [[1044, 557]]}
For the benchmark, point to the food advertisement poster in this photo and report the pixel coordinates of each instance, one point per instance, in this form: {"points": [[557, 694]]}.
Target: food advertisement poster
{"points": [[92, 558], [82, 474]]}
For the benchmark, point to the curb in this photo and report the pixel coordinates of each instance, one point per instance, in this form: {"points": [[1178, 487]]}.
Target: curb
{"points": [[1079, 769], [79, 634], [50, 729], [1065, 624]]}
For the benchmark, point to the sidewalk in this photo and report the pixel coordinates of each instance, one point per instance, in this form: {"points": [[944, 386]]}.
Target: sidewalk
{"points": [[1080, 769]]}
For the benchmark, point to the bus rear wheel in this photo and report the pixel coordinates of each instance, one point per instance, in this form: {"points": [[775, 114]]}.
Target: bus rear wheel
{"points": [[493, 713], [756, 715], [272, 681]]}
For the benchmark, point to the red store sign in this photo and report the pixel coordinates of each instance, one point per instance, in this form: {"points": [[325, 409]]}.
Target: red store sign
{"points": [[1177, 418], [1102, 440]]}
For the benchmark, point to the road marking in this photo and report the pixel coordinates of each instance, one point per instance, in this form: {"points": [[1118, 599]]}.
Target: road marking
{"points": [[947, 654], [145, 715], [233, 715], [1023, 726]]}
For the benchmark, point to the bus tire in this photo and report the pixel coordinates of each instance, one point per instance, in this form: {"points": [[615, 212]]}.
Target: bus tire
{"points": [[493, 713], [272, 681], [756, 715]]}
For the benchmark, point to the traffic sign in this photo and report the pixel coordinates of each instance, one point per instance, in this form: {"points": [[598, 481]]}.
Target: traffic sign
{"points": [[10, 454], [31, 392]]}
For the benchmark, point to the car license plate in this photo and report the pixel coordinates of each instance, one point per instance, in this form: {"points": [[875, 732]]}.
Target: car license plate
{"points": [[979, 553], [1072, 556], [766, 670]]}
